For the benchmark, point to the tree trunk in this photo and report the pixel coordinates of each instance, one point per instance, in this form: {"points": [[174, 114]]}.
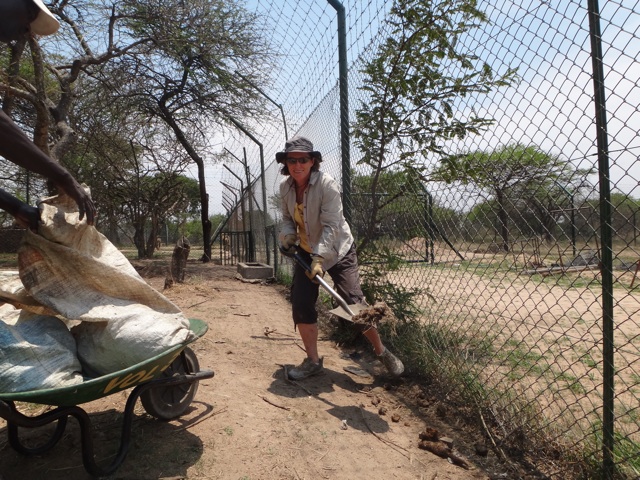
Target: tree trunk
{"points": [[204, 214], [138, 239], [206, 232], [152, 237], [167, 116], [111, 230], [503, 219]]}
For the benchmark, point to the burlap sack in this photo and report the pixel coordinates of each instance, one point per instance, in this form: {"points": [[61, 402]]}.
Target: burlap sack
{"points": [[12, 292], [36, 352], [73, 270]]}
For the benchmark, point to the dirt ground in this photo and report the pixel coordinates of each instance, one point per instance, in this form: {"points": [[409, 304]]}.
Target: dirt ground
{"points": [[248, 422]]}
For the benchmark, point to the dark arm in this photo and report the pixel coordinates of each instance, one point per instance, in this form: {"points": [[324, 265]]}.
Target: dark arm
{"points": [[16, 147], [25, 215]]}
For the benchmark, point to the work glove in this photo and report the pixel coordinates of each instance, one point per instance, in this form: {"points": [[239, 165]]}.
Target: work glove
{"points": [[289, 242], [316, 268]]}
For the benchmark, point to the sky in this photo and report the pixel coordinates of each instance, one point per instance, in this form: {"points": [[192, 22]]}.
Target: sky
{"points": [[304, 35], [550, 107]]}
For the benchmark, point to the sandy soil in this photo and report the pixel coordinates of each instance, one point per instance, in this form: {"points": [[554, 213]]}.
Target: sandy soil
{"points": [[248, 422]]}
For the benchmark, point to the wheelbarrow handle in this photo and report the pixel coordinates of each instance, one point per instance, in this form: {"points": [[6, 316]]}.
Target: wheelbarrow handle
{"points": [[293, 253]]}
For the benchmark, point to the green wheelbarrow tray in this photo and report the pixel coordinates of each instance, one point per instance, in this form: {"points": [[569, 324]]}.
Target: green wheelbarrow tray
{"points": [[99, 387], [166, 384]]}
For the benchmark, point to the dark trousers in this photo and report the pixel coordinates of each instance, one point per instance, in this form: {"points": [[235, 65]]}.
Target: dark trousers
{"points": [[304, 292]]}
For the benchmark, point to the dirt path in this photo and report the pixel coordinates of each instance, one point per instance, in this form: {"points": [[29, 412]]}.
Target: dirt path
{"points": [[248, 422]]}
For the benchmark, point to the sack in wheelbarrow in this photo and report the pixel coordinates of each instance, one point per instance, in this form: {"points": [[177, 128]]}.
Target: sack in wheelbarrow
{"points": [[72, 271], [36, 351]]}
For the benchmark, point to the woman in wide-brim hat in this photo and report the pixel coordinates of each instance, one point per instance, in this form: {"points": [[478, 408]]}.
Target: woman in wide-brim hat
{"points": [[314, 226]]}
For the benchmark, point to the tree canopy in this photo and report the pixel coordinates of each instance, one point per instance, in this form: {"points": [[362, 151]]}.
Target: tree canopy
{"points": [[414, 84], [517, 178], [152, 61]]}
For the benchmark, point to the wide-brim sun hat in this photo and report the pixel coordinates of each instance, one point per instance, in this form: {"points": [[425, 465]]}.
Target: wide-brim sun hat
{"points": [[45, 23], [298, 144]]}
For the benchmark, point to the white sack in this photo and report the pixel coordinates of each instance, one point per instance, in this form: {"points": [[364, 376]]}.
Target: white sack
{"points": [[73, 269], [36, 352], [13, 292]]}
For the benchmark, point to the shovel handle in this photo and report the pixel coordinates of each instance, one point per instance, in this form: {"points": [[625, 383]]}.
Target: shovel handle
{"points": [[300, 261]]}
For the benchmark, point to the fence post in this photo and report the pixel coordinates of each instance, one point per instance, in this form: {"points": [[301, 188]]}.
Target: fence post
{"points": [[284, 121], [608, 439], [262, 180], [344, 110]]}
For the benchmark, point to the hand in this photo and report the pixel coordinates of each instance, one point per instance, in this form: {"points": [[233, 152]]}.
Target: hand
{"points": [[316, 268], [85, 204], [16, 147], [24, 215], [289, 241]]}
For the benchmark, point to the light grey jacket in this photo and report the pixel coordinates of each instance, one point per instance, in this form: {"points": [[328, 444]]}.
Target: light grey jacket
{"points": [[328, 232]]}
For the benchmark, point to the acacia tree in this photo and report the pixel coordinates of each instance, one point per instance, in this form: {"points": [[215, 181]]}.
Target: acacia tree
{"points": [[139, 170], [186, 75], [413, 83], [149, 197], [170, 59], [515, 176]]}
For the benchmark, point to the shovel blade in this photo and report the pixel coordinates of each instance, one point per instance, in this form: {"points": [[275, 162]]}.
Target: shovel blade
{"points": [[342, 313]]}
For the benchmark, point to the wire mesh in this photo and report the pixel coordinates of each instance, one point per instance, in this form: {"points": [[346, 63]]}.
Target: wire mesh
{"points": [[510, 279]]}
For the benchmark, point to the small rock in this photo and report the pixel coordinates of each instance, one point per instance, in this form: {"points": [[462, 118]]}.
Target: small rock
{"points": [[395, 418], [438, 448], [441, 411], [382, 411], [375, 401]]}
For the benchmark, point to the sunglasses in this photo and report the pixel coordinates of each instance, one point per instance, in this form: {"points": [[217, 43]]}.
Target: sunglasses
{"points": [[293, 161]]}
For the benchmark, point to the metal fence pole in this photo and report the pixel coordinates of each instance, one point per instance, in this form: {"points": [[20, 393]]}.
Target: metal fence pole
{"points": [[344, 110], [262, 179], [608, 394], [242, 192], [286, 134], [252, 248]]}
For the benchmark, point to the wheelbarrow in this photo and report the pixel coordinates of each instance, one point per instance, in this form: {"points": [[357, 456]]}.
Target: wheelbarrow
{"points": [[166, 384]]}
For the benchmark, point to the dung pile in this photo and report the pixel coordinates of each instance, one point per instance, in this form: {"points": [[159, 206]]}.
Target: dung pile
{"points": [[375, 315]]}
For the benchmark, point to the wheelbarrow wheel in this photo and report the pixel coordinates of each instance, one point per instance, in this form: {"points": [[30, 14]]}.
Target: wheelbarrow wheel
{"points": [[167, 403]]}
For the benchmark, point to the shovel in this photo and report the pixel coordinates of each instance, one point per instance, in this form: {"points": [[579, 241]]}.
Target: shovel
{"points": [[345, 310]]}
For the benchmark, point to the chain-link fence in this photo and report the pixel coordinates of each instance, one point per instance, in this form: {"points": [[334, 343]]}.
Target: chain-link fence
{"points": [[518, 241]]}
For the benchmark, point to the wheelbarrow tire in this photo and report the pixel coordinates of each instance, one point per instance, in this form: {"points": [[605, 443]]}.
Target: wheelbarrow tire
{"points": [[167, 403]]}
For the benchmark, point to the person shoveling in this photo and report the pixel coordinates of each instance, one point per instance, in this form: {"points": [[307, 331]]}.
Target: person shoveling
{"points": [[316, 234], [358, 313]]}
